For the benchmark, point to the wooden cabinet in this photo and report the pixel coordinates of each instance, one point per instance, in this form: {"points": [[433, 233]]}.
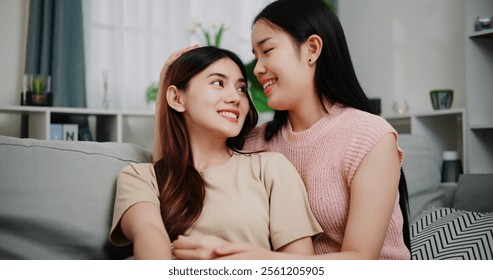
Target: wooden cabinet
{"points": [[105, 125], [479, 89]]}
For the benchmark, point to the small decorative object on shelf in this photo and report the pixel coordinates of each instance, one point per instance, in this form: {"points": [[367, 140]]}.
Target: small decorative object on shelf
{"points": [[483, 22], [106, 102], [37, 90], [441, 98], [65, 132], [451, 167], [56, 131], [400, 107], [70, 132]]}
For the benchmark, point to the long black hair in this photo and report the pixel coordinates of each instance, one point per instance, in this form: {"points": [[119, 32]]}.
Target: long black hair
{"points": [[335, 78]]}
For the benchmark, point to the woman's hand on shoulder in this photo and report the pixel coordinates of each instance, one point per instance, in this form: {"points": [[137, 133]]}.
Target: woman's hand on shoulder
{"points": [[172, 58]]}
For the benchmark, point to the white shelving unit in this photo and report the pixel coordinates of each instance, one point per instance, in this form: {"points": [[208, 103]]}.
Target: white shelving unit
{"points": [[446, 129], [479, 89], [106, 125], [470, 131]]}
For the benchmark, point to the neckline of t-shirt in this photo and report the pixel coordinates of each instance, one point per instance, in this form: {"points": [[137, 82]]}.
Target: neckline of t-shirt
{"points": [[222, 167]]}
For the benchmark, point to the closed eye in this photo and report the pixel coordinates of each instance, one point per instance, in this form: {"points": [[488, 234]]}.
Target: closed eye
{"points": [[268, 51]]}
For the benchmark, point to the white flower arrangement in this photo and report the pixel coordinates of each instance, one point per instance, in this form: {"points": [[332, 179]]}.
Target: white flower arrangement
{"points": [[211, 36]]}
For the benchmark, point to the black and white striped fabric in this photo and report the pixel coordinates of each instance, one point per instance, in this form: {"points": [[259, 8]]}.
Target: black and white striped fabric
{"points": [[447, 233]]}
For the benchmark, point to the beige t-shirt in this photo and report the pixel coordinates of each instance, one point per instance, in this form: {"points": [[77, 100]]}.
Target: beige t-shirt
{"points": [[255, 198]]}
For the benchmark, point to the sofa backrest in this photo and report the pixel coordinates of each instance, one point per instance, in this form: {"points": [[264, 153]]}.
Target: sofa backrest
{"points": [[474, 193], [56, 197], [421, 167]]}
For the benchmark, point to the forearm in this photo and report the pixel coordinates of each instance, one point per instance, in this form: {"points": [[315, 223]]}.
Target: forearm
{"points": [[152, 246], [349, 255], [302, 246], [143, 226]]}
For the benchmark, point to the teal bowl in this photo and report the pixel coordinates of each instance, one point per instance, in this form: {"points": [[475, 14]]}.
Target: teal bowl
{"points": [[441, 98]]}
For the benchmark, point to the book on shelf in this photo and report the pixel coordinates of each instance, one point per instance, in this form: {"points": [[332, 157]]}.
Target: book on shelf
{"points": [[85, 134], [70, 132], [56, 131], [66, 132]]}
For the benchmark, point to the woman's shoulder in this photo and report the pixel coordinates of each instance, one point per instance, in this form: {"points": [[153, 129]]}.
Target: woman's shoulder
{"points": [[265, 161], [255, 139], [263, 157], [359, 119], [138, 176], [138, 169]]}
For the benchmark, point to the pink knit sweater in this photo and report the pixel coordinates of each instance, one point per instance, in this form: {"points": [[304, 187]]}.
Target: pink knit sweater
{"points": [[327, 156]]}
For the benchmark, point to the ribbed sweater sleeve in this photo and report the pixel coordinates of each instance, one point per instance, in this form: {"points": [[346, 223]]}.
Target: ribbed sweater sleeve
{"points": [[367, 132]]}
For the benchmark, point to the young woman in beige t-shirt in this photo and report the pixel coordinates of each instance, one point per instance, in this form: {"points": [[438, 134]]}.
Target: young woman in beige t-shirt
{"points": [[201, 183]]}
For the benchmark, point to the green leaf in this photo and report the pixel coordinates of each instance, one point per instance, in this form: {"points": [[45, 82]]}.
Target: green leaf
{"points": [[151, 93], [331, 5], [219, 35], [207, 39], [38, 85]]}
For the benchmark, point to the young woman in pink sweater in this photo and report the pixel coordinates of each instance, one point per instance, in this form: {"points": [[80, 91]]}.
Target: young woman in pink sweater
{"points": [[348, 157]]}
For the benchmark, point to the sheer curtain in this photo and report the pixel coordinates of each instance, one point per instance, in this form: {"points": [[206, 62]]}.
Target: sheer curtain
{"points": [[129, 40]]}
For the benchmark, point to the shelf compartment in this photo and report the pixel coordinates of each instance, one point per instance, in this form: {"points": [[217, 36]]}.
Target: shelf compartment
{"points": [[105, 125], [483, 34]]}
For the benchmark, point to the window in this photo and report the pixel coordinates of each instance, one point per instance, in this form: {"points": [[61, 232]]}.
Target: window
{"points": [[129, 40]]}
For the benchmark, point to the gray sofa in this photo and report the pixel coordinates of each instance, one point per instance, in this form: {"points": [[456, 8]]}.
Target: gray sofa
{"points": [[446, 223], [56, 198]]}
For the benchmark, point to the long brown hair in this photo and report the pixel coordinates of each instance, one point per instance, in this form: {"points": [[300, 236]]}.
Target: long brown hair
{"points": [[181, 187]]}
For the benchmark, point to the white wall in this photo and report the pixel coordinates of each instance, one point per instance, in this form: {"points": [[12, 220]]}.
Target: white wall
{"points": [[12, 51], [401, 49]]}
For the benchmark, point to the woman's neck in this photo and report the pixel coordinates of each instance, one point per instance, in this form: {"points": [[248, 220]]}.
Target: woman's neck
{"points": [[209, 153], [307, 114]]}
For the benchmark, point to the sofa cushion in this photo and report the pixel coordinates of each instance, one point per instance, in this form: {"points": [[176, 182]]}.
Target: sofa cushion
{"points": [[421, 168], [474, 193], [447, 233], [57, 197]]}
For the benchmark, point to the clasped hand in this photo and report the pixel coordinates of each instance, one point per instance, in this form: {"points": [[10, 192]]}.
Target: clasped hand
{"points": [[208, 248]]}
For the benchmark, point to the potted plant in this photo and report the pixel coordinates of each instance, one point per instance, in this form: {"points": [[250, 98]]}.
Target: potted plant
{"points": [[151, 95], [211, 36], [39, 87]]}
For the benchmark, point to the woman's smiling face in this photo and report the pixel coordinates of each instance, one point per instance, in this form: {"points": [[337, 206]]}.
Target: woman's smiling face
{"points": [[280, 66], [216, 100]]}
